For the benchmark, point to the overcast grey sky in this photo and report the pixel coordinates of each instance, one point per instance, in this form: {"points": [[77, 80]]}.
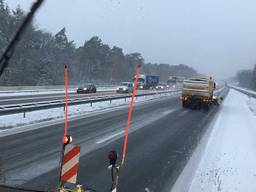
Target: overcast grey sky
{"points": [[216, 37]]}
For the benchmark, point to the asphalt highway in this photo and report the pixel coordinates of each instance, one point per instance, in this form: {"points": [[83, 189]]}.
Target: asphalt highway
{"points": [[162, 137]]}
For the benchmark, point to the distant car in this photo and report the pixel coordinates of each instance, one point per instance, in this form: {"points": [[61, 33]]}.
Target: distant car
{"points": [[125, 87], [87, 89], [161, 87]]}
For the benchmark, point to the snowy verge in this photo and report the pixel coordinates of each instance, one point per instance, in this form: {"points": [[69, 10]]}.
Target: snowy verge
{"points": [[244, 90], [184, 180], [228, 156], [16, 120]]}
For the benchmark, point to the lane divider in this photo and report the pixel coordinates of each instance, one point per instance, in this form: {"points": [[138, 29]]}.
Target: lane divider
{"points": [[103, 140]]}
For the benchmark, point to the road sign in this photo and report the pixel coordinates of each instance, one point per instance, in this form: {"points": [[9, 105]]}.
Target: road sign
{"points": [[70, 164]]}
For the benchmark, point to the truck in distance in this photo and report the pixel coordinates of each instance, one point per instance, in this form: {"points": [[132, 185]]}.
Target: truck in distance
{"points": [[175, 81], [198, 93], [147, 81]]}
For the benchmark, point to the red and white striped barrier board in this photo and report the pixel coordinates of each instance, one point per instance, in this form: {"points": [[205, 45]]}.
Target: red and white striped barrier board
{"points": [[70, 163]]}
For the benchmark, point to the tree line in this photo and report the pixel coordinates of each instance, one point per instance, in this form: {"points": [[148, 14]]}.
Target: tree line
{"points": [[247, 78], [40, 57]]}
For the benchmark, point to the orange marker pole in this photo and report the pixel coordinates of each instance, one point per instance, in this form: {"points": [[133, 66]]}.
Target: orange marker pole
{"points": [[66, 122], [66, 102], [128, 123]]}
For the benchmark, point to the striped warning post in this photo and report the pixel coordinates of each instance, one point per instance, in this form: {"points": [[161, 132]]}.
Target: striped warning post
{"points": [[70, 163]]}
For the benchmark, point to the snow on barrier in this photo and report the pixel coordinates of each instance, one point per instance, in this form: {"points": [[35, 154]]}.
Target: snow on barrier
{"points": [[37, 89], [27, 107], [245, 91]]}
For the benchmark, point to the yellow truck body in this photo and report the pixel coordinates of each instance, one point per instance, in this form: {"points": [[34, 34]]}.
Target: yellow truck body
{"points": [[197, 92]]}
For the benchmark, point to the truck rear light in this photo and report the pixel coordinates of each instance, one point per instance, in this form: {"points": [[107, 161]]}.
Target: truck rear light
{"points": [[184, 98]]}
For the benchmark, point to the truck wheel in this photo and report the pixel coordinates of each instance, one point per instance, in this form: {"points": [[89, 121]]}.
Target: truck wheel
{"points": [[196, 106], [207, 106], [184, 104]]}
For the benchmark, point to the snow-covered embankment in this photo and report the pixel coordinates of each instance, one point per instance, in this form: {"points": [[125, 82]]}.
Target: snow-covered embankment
{"points": [[227, 160]]}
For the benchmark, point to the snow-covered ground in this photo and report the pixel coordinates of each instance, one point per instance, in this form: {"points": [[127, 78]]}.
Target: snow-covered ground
{"points": [[227, 160], [244, 90], [14, 120]]}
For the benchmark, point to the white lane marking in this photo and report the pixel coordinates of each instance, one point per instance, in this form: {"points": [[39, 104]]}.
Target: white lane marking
{"points": [[182, 113], [34, 169], [167, 112], [103, 140], [116, 134]]}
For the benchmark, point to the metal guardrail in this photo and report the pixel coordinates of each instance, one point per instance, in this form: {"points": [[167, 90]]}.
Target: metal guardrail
{"points": [[15, 89], [28, 107], [250, 93]]}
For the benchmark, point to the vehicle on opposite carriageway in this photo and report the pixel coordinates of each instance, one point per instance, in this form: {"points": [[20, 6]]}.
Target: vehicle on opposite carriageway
{"points": [[161, 86], [146, 81], [125, 87], [90, 88]]}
